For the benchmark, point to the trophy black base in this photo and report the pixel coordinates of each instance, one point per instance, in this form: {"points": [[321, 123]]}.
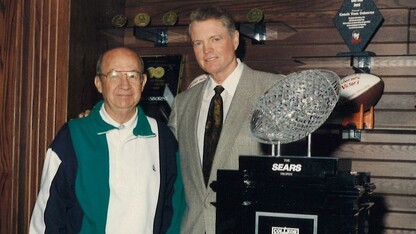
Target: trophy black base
{"points": [[282, 195]]}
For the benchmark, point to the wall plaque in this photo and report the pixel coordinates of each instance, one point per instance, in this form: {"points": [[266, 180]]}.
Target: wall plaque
{"points": [[285, 223], [164, 73], [357, 21]]}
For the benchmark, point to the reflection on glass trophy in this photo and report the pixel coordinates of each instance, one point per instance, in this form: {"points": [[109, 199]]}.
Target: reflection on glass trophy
{"points": [[295, 107]]}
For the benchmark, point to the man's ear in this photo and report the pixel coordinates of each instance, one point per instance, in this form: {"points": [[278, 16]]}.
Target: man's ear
{"points": [[236, 39], [144, 80], [98, 84]]}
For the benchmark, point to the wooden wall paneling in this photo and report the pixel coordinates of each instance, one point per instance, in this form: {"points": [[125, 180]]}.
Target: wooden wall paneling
{"points": [[386, 119], [392, 137], [285, 5], [412, 32], [317, 50], [383, 218], [396, 187], [394, 4], [412, 48], [376, 151], [294, 17], [34, 100], [395, 231], [386, 168], [320, 19], [91, 34], [319, 32], [392, 213], [9, 18], [398, 203], [395, 119], [393, 101], [319, 25], [394, 180], [46, 77], [384, 66], [412, 24], [28, 169], [399, 221], [330, 35], [389, 157]]}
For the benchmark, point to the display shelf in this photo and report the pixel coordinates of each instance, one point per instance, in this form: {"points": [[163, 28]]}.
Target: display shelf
{"points": [[360, 61], [402, 136], [163, 35]]}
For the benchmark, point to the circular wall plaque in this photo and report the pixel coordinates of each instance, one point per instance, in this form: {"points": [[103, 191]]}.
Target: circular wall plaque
{"points": [[142, 20], [255, 15], [170, 18], [119, 21]]}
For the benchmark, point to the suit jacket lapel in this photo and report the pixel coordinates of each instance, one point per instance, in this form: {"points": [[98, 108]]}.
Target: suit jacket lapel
{"points": [[191, 121]]}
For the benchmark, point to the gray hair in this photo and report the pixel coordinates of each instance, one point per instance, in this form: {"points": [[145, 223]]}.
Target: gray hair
{"points": [[212, 12]]}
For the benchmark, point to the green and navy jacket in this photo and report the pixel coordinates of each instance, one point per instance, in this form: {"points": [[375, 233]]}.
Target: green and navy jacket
{"points": [[74, 193]]}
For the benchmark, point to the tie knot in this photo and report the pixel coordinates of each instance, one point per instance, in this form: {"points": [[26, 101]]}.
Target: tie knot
{"points": [[218, 89]]}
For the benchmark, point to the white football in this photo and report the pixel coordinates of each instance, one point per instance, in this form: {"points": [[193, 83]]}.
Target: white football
{"points": [[361, 88]]}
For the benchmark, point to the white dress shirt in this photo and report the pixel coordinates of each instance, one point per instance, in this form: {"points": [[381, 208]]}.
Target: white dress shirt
{"points": [[230, 85]]}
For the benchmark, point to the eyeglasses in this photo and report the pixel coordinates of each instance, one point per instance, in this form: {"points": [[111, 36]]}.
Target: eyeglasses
{"points": [[113, 75]]}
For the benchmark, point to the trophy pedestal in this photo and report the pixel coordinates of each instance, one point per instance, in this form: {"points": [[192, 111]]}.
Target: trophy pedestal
{"points": [[307, 195]]}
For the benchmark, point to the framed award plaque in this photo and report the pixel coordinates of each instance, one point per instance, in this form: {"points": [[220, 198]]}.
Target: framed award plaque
{"points": [[164, 73]]}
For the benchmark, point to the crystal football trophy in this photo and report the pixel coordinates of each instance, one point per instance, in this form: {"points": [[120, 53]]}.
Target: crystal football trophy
{"points": [[294, 107]]}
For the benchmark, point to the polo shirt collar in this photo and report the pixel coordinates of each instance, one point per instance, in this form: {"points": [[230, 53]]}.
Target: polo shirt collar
{"points": [[142, 127]]}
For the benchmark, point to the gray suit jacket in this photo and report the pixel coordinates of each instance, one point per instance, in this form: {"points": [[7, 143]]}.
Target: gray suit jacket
{"points": [[235, 140]]}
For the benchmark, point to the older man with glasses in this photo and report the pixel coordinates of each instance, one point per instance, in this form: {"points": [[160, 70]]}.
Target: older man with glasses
{"points": [[114, 171]]}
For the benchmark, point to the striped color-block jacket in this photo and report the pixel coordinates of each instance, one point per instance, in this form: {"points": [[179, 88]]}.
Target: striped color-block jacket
{"points": [[74, 193]]}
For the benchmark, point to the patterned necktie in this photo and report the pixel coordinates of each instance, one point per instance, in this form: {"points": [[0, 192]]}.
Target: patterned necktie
{"points": [[212, 131]]}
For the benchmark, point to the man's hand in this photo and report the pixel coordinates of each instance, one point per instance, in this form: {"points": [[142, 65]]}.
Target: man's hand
{"points": [[84, 114]]}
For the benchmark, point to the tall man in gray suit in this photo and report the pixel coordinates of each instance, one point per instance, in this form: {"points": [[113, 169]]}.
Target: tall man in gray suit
{"points": [[215, 40]]}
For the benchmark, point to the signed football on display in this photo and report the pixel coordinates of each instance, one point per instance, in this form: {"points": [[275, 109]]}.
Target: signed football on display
{"points": [[360, 88]]}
